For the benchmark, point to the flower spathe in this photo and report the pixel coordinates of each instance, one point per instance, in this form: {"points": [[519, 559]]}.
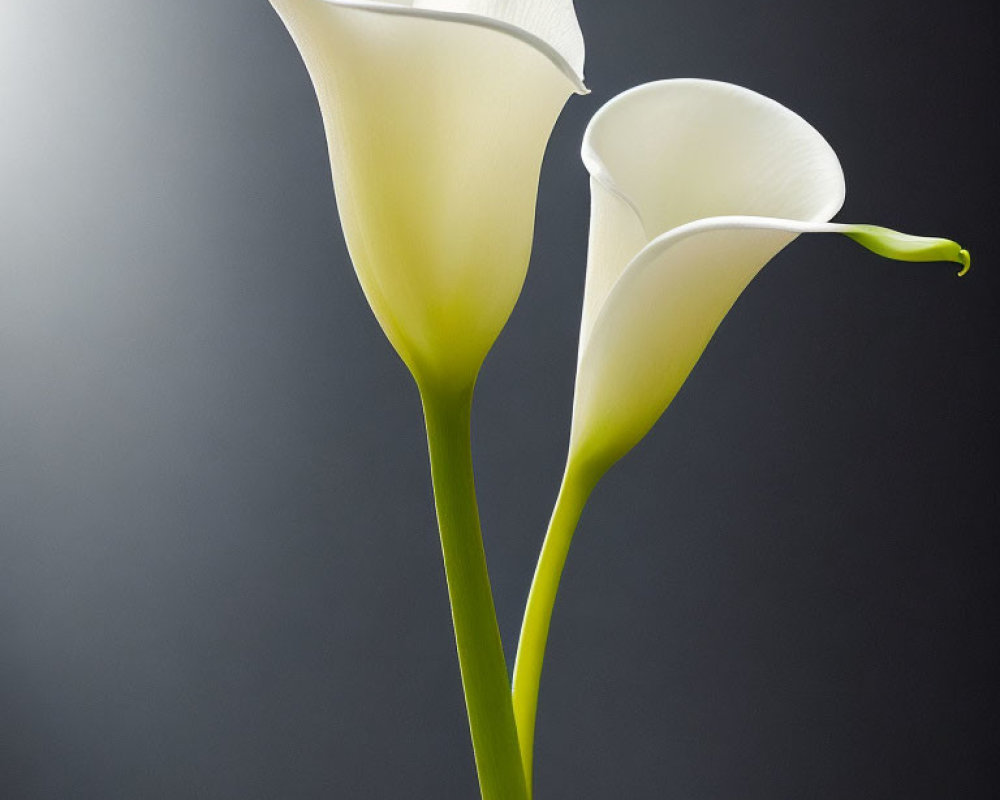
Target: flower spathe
{"points": [[437, 115], [695, 186]]}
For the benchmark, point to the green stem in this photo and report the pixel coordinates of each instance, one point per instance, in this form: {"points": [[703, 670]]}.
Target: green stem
{"points": [[573, 493], [477, 635]]}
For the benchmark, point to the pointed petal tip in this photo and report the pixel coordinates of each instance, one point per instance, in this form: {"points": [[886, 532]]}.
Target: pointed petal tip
{"points": [[906, 247], [965, 260]]}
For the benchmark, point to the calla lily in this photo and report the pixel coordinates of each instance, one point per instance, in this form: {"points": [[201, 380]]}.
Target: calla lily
{"points": [[695, 186], [437, 114]]}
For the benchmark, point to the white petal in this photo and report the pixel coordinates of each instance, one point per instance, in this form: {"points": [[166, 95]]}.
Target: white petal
{"points": [[436, 128], [657, 320], [681, 150]]}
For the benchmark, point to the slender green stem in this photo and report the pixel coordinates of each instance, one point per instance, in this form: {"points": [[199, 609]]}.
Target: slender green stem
{"points": [[477, 635], [573, 493]]}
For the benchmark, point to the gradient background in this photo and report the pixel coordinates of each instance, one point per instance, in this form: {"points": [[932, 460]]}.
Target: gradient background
{"points": [[219, 572]]}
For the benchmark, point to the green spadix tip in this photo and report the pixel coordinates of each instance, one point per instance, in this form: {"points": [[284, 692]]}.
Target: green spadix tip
{"points": [[906, 247]]}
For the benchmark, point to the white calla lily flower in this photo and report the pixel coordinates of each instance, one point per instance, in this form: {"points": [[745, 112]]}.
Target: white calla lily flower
{"points": [[437, 114], [695, 185]]}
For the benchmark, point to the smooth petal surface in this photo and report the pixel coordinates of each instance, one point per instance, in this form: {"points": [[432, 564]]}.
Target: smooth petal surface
{"points": [[436, 119], [696, 185]]}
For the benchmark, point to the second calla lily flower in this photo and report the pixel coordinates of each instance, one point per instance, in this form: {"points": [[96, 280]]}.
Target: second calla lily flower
{"points": [[437, 114], [695, 186]]}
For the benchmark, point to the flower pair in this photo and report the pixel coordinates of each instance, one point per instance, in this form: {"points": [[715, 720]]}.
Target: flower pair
{"points": [[437, 115]]}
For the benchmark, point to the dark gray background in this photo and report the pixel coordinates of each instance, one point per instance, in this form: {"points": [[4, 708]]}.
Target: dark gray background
{"points": [[219, 574]]}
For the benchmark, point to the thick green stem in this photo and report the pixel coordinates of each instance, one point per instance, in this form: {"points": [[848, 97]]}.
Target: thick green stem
{"points": [[480, 652], [573, 493]]}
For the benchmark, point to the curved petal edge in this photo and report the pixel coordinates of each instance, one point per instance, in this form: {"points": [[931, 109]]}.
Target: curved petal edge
{"points": [[561, 41]]}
